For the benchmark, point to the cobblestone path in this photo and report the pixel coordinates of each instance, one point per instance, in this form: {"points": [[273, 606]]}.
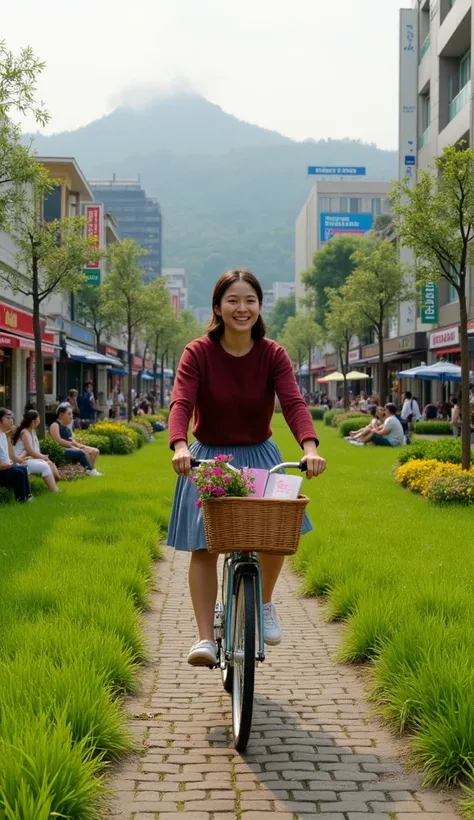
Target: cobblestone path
{"points": [[315, 748]]}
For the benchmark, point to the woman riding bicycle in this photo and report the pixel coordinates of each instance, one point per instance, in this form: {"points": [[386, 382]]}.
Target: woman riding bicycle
{"points": [[228, 380]]}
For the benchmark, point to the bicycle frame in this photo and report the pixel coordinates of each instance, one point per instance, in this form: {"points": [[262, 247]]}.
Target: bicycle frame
{"points": [[237, 562]]}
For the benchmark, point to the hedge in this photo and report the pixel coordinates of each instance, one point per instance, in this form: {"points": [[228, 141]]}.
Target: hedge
{"points": [[91, 439], [448, 450], [49, 447], [433, 428], [356, 423], [317, 413], [329, 415]]}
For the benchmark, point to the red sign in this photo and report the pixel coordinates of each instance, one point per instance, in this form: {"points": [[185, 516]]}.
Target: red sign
{"points": [[111, 351], [8, 341], [444, 338], [93, 228]]}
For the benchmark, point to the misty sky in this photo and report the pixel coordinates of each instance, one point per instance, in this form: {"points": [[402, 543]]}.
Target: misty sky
{"points": [[306, 68]]}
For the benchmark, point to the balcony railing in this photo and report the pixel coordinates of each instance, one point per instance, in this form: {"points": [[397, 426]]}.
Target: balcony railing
{"points": [[459, 102], [425, 46], [424, 137]]}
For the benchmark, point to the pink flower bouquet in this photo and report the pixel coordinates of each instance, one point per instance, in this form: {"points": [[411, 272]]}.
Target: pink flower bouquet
{"points": [[216, 479]]}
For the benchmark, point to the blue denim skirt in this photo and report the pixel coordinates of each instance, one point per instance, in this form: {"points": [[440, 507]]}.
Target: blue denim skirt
{"points": [[186, 529]]}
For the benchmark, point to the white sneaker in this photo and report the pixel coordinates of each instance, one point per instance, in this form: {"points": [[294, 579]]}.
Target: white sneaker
{"points": [[271, 625], [357, 443], [94, 472], [203, 653]]}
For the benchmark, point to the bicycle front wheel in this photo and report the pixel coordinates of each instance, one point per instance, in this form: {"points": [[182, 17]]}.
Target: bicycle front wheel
{"points": [[244, 662]]}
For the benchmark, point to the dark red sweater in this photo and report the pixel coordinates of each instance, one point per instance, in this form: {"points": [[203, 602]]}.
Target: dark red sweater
{"points": [[233, 397]]}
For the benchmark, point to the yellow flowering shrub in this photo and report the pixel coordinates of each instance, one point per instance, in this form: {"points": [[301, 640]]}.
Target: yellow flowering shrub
{"points": [[452, 489], [417, 475]]}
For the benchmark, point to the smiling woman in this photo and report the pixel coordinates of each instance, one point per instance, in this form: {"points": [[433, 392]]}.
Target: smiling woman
{"points": [[228, 381]]}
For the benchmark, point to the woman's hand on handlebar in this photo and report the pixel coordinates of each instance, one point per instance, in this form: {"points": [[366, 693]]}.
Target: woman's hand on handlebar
{"points": [[181, 458], [315, 463]]}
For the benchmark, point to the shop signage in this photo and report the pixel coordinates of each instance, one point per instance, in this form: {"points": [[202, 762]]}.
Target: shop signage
{"points": [[74, 331], [354, 355], [32, 374], [318, 364], [444, 338], [17, 321], [111, 351], [94, 222], [8, 341], [406, 343], [429, 303]]}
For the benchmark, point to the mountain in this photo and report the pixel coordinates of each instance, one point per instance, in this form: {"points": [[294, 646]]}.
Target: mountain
{"points": [[183, 124], [229, 191]]}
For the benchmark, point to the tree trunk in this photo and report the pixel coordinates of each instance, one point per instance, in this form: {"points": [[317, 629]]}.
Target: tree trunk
{"points": [[465, 406], [130, 371], [162, 381], [346, 371], [382, 368], [38, 355]]}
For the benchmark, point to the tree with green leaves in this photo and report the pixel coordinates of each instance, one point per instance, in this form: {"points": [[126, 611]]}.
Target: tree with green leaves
{"points": [[435, 218], [50, 259], [332, 265], [282, 310], [375, 289], [158, 322], [90, 309], [300, 336], [124, 298], [18, 76], [343, 321]]}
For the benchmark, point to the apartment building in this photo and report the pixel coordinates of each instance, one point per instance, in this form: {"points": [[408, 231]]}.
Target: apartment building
{"points": [[444, 34], [177, 284]]}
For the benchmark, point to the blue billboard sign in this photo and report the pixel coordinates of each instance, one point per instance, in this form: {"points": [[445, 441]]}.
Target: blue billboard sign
{"points": [[336, 171], [345, 224]]}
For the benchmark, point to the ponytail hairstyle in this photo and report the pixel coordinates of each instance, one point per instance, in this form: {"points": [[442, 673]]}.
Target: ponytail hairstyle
{"points": [[26, 422]]}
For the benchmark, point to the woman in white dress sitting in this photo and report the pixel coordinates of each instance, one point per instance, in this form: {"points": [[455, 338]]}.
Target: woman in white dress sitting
{"points": [[26, 444]]}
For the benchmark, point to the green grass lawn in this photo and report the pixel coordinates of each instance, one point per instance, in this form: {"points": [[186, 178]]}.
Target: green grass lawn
{"points": [[75, 571], [399, 571]]}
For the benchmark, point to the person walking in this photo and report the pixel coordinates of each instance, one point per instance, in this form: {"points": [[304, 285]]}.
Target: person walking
{"points": [[87, 403], [228, 380], [13, 472]]}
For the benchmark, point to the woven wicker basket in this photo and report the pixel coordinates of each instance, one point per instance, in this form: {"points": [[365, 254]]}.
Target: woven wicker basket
{"points": [[253, 524]]}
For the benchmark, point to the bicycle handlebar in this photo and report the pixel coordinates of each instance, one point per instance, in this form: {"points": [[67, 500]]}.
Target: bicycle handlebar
{"points": [[285, 465]]}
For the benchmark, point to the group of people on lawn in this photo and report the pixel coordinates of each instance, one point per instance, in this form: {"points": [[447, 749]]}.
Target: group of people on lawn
{"points": [[387, 428], [21, 456]]}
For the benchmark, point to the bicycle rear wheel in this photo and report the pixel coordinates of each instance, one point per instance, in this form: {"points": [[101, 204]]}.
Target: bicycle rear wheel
{"points": [[244, 662]]}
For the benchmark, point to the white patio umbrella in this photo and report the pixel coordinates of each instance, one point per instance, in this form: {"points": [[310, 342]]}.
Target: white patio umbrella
{"points": [[356, 376], [335, 377]]}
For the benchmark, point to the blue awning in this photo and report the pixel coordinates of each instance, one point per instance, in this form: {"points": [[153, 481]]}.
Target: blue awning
{"points": [[117, 371]]}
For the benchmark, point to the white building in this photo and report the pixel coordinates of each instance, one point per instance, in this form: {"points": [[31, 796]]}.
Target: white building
{"points": [[279, 290], [334, 208], [177, 283]]}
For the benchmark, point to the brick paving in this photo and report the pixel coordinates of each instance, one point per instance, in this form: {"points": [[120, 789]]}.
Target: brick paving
{"points": [[315, 748]]}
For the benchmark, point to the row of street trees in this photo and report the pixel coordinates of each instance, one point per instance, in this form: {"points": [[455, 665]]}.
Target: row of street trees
{"points": [[355, 285], [51, 256]]}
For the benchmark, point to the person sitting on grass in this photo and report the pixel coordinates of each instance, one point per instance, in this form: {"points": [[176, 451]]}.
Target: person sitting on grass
{"points": [[376, 423], [13, 472], [391, 434], [26, 443], [74, 450]]}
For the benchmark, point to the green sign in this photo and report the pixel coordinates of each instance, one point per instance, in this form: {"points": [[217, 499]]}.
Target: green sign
{"points": [[93, 277], [429, 303]]}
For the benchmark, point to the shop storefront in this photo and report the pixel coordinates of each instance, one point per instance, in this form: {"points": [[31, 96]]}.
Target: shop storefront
{"points": [[400, 353], [17, 358], [444, 343]]}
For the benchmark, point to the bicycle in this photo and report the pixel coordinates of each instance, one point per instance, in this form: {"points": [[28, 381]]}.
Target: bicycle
{"points": [[238, 628]]}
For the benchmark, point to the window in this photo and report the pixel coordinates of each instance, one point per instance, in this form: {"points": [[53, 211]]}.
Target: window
{"points": [[325, 203], [425, 112], [354, 205], [376, 206], [343, 204], [465, 70]]}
